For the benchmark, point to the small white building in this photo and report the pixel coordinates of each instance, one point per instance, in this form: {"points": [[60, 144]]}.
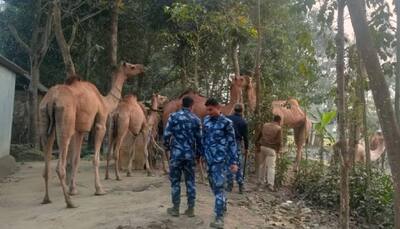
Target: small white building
{"points": [[9, 72]]}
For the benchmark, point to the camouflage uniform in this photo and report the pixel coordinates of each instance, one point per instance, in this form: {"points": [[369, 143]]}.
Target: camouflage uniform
{"points": [[182, 136], [239, 175], [219, 149]]}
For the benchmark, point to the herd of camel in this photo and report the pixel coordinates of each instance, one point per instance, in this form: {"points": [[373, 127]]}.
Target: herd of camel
{"points": [[70, 110]]}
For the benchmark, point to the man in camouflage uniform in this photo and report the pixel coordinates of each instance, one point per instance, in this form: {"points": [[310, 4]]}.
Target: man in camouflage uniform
{"points": [[182, 136], [219, 149]]}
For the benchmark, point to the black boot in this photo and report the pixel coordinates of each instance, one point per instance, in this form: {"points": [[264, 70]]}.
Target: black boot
{"points": [[190, 212], [241, 189], [174, 211], [217, 223], [229, 187]]}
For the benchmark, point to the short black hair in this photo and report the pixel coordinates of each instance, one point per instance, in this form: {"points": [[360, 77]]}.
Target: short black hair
{"points": [[277, 118], [187, 102], [238, 108], [212, 102]]}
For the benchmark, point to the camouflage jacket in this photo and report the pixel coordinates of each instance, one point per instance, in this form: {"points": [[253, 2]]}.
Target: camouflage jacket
{"points": [[182, 135]]}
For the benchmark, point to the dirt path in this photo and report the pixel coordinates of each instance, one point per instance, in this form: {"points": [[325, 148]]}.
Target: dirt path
{"points": [[135, 202]]}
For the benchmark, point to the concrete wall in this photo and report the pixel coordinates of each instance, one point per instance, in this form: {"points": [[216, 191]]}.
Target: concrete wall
{"points": [[7, 87]]}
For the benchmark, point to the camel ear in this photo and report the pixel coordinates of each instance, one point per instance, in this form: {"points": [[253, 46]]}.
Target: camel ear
{"points": [[124, 63]]}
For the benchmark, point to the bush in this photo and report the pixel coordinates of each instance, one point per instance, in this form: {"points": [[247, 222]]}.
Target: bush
{"points": [[282, 167], [321, 186]]}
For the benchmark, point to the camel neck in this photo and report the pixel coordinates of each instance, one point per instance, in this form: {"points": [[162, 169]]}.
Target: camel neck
{"points": [[235, 95], [114, 95]]}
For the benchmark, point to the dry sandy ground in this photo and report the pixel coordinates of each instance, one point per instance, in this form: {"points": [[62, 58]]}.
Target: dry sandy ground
{"points": [[134, 202]]}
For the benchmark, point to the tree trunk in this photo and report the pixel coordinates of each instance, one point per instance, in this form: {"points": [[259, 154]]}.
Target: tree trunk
{"points": [[257, 72], [114, 5], [341, 107], [362, 76], [397, 87], [381, 95], [196, 64], [235, 58], [257, 78], [34, 103], [62, 43]]}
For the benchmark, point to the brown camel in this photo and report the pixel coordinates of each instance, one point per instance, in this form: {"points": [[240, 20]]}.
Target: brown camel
{"points": [[130, 115], [238, 83], [153, 119], [294, 117], [67, 112], [377, 148]]}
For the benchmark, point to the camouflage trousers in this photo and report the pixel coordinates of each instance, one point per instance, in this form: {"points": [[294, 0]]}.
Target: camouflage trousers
{"points": [[187, 167], [239, 175], [216, 177]]}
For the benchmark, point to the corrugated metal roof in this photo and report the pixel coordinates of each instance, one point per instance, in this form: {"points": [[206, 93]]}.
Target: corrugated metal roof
{"points": [[20, 72]]}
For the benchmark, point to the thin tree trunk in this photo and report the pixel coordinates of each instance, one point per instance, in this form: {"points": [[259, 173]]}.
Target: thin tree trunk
{"points": [[196, 65], [362, 76], [341, 106], [89, 38], [235, 58], [397, 87], [114, 5], [257, 78], [257, 71], [33, 91], [380, 91], [62, 43]]}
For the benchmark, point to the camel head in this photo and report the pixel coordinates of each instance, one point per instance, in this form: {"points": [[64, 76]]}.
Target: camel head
{"points": [[239, 81], [158, 101], [131, 70]]}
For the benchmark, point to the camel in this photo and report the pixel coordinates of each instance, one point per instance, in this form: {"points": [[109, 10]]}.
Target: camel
{"points": [[70, 110], [377, 148], [238, 83], [294, 117], [153, 119], [130, 115]]}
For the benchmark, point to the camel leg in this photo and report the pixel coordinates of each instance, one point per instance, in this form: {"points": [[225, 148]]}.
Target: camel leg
{"points": [[109, 156], [61, 168], [48, 148], [131, 157], [65, 127], [110, 150], [76, 157], [100, 132], [146, 155], [117, 151], [300, 139]]}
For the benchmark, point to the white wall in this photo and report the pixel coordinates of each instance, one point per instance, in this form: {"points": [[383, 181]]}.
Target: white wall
{"points": [[7, 87]]}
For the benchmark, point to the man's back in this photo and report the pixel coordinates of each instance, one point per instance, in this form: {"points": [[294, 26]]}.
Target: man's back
{"points": [[271, 135], [219, 139], [184, 131], [240, 126]]}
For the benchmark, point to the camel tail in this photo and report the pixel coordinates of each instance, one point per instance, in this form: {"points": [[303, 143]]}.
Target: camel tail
{"points": [[51, 116], [114, 125]]}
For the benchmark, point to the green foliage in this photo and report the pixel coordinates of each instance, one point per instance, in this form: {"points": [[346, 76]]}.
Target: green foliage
{"points": [[320, 186], [325, 119], [282, 167]]}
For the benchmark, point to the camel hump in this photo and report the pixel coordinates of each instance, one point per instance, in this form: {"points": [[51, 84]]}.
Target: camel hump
{"points": [[293, 102], [72, 79], [189, 92], [129, 97]]}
